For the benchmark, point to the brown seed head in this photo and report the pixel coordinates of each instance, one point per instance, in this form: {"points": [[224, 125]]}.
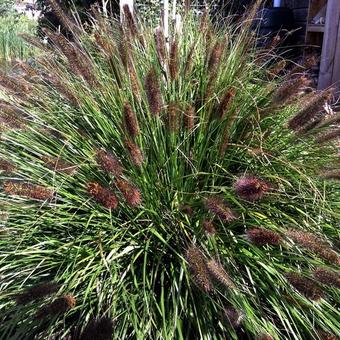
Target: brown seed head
{"points": [[7, 166], [225, 103], [218, 273], [160, 45], [305, 286], [209, 228], [262, 237], [152, 88], [215, 57], [329, 136], [233, 317], [130, 121], [27, 190], [220, 207], [189, 118], [250, 188], [135, 153], [36, 292], [173, 62], [327, 277], [109, 163], [309, 111], [331, 174], [100, 329], [131, 193], [58, 165], [323, 335], [102, 195], [172, 117], [198, 268], [130, 21], [59, 306]]}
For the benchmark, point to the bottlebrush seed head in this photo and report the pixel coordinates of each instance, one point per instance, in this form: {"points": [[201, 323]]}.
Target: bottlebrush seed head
{"points": [[59, 165], [329, 136], [130, 121], [225, 103], [220, 207], [36, 292], [262, 237], [215, 57], [313, 244], [7, 166], [102, 195], [173, 62], [28, 190], [198, 268], [309, 111], [101, 329], [189, 118], [130, 21], [305, 286], [109, 163], [186, 209], [160, 45], [59, 306], [327, 277], [287, 90], [250, 188], [218, 273], [265, 336], [173, 117], [323, 335], [331, 174], [152, 88], [131, 194], [233, 317], [209, 227], [135, 153]]}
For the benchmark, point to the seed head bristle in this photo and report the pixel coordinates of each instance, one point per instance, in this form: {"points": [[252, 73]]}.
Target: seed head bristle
{"points": [[172, 117], [323, 335], [250, 188], [59, 165], [225, 103], [227, 132], [134, 82], [313, 244], [220, 207], [98, 329], [60, 305], [109, 163], [265, 336], [307, 64], [160, 45], [36, 292], [209, 228], [7, 166], [189, 118], [288, 89], [27, 190], [102, 195], [215, 58], [331, 174], [329, 136], [198, 269], [130, 121], [130, 21], [173, 61], [233, 317], [135, 153], [152, 88], [218, 273], [262, 237], [189, 60], [305, 286], [327, 277], [131, 193], [62, 16], [310, 110], [277, 69], [11, 117]]}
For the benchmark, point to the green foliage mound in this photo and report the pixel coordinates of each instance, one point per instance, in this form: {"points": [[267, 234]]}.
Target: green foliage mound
{"points": [[154, 189]]}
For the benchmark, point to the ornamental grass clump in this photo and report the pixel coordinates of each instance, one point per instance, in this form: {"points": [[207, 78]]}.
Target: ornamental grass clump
{"points": [[142, 178]]}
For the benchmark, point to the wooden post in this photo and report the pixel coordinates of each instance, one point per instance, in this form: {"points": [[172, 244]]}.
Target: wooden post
{"points": [[329, 63]]}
